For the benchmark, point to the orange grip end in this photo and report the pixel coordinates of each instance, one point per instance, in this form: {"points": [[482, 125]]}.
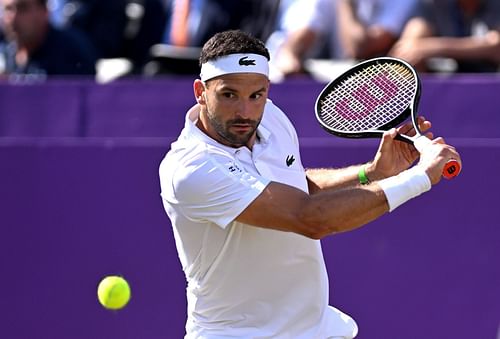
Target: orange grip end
{"points": [[451, 169]]}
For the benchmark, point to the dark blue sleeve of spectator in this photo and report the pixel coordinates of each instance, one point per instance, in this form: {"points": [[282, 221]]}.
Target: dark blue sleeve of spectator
{"points": [[66, 52]]}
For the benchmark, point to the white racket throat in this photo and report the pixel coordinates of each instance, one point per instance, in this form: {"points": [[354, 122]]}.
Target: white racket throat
{"points": [[421, 143]]}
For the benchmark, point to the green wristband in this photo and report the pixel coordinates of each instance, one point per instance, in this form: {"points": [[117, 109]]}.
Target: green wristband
{"points": [[363, 179]]}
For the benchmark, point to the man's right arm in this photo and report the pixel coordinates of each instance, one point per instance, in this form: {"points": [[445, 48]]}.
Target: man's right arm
{"points": [[285, 208], [339, 208]]}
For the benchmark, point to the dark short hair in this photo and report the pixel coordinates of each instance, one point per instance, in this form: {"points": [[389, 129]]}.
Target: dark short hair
{"points": [[231, 42]]}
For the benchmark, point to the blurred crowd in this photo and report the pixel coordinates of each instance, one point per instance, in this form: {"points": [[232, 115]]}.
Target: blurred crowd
{"points": [[107, 39]]}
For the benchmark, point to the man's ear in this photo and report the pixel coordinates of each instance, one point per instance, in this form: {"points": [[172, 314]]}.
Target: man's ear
{"points": [[199, 91]]}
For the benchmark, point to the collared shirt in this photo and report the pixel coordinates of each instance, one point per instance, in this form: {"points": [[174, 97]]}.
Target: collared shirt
{"points": [[244, 281]]}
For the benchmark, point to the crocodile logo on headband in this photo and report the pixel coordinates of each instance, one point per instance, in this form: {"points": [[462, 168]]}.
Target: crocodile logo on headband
{"points": [[244, 62]]}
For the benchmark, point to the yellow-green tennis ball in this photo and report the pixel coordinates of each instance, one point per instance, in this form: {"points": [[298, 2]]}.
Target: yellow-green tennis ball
{"points": [[113, 292]]}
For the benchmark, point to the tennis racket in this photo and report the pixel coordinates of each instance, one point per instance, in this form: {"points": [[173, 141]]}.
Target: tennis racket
{"points": [[372, 97]]}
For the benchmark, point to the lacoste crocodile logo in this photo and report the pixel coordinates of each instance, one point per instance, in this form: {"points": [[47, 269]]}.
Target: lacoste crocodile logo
{"points": [[244, 62], [289, 160]]}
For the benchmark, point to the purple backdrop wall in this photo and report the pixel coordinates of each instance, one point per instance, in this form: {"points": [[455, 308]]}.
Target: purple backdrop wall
{"points": [[154, 108], [76, 209]]}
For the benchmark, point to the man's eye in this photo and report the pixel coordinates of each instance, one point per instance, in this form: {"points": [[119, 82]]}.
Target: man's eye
{"points": [[228, 95]]}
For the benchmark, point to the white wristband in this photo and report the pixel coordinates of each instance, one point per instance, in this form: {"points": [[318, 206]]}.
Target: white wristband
{"points": [[405, 186]]}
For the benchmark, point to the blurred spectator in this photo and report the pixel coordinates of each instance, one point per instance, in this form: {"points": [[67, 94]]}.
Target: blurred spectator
{"points": [[191, 23], [453, 35], [33, 46], [339, 29], [204, 18], [368, 28], [56, 12], [118, 28]]}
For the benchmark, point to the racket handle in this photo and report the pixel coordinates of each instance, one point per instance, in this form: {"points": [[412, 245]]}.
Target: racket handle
{"points": [[451, 169]]}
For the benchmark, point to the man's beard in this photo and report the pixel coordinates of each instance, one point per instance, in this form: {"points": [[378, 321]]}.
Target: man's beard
{"points": [[233, 139]]}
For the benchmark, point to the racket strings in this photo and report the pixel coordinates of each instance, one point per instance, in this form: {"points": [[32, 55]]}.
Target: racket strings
{"points": [[370, 98]]}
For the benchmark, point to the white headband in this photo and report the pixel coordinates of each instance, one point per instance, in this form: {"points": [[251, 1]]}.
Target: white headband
{"points": [[235, 63]]}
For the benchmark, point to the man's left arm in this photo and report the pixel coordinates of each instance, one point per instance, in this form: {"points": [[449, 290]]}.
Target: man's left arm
{"points": [[391, 158]]}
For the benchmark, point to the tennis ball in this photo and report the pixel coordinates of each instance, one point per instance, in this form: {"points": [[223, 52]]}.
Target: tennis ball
{"points": [[113, 292]]}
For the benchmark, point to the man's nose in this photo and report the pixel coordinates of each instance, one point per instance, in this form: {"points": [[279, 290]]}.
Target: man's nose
{"points": [[244, 110]]}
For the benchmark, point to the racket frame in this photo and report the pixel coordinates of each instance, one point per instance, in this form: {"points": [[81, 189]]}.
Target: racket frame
{"points": [[410, 111], [452, 167]]}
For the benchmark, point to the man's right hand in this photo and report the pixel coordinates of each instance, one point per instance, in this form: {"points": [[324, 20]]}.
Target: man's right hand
{"points": [[434, 156]]}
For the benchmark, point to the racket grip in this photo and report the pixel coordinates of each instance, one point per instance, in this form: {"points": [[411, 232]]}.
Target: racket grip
{"points": [[451, 169]]}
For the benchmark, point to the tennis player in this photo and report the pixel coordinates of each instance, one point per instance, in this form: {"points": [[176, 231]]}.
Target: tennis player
{"points": [[247, 217]]}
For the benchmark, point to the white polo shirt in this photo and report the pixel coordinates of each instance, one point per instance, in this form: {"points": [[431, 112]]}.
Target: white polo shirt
{"points": [[244, 281]]}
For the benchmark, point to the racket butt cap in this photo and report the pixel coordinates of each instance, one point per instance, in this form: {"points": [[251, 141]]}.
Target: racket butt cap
{"points": [[451, 169]]}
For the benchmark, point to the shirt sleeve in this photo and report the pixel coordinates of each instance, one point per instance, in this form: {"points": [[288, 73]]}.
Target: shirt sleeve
{"points": [[215, 188], [394, 15], [313, 14]]}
